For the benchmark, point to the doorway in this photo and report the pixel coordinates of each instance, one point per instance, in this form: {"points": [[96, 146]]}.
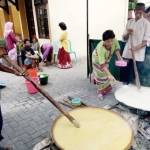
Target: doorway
{"points": [[30, 18]]}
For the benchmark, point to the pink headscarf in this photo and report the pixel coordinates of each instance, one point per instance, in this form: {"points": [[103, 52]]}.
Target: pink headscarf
{"points": [[8, 28]]}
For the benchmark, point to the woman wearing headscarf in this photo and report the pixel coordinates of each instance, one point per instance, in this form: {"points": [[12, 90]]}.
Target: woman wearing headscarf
{"points": [[64, 60], [10, 41]]}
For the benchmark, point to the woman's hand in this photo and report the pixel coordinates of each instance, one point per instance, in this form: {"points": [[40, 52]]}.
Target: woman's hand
{"points": [[28, 54], [109, 75], [119, 57]]}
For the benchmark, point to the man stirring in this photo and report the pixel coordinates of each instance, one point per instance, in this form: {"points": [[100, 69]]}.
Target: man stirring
{"points": [[136, 36]]}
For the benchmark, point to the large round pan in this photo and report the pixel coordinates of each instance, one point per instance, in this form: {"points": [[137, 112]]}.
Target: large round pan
{"points": [[133, 97], [100, 129]]}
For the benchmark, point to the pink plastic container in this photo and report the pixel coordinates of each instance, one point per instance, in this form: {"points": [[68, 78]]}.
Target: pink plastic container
{"points": [[30, 88], [121, 63]]}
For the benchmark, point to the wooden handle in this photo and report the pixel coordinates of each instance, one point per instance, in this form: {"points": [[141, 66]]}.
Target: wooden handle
{"points": [[137, 80], [44, 93], [66, 104]]}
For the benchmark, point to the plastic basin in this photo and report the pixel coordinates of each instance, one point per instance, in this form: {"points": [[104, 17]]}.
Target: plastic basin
{"points": [[121, 63], [76, 101], [30, 88]]}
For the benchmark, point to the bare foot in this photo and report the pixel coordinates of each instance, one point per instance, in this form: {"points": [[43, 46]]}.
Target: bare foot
{"points": [[100, 97], [51, 63], [44, 63]]}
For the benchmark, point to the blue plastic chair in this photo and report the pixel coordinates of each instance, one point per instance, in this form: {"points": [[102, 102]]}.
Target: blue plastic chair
{"points": [[56, 45], [71, 51]]}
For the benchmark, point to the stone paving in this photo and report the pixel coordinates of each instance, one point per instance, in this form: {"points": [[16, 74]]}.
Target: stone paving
{"points": [[28, 118]]}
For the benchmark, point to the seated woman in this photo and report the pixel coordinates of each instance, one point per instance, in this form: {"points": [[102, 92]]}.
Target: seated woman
{"points": [[100, 60], [64, 60], [47, 52], [28, 55]]}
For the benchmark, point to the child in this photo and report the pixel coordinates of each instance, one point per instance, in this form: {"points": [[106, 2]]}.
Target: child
{"points": [[100, 60]]}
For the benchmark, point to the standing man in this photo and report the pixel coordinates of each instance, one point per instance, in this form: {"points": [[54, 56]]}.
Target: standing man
{"points": [[136, 36]]}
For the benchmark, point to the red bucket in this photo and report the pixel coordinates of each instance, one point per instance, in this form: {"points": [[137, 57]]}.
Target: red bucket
{"points": [[30, 87]]}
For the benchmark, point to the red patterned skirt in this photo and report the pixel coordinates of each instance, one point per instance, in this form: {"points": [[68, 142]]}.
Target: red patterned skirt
{"points": [[64, 60]]}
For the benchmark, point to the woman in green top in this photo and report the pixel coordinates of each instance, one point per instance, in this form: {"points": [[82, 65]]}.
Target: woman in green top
{"points": [[100, 60]]}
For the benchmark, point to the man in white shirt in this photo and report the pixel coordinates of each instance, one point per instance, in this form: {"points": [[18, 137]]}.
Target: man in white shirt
{"points": [[136, 37]]}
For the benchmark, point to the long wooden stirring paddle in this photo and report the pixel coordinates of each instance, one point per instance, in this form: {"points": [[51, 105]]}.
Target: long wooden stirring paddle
{"points": [[137, 80], [43, 92]]}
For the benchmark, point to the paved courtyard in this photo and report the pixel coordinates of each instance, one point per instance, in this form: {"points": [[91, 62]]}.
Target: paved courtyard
{"points": [[28, 118]]}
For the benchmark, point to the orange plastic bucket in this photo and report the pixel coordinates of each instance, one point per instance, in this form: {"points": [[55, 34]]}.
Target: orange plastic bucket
{"points": [[32, 72]]}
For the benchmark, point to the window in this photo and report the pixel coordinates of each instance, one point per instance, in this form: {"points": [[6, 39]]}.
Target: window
{"points": [[42, 18]]}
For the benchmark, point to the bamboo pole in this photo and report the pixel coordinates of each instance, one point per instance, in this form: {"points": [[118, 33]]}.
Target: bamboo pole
{"points": [[43, 92], [137, 80]]}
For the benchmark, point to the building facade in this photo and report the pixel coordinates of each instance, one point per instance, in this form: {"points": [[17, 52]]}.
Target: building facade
{"points": [[30, 17], [41, 18]]}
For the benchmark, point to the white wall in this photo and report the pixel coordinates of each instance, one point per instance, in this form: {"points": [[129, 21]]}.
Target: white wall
{"points": [[147, 2], [73, 13], [103, 15], [107, 14]]}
